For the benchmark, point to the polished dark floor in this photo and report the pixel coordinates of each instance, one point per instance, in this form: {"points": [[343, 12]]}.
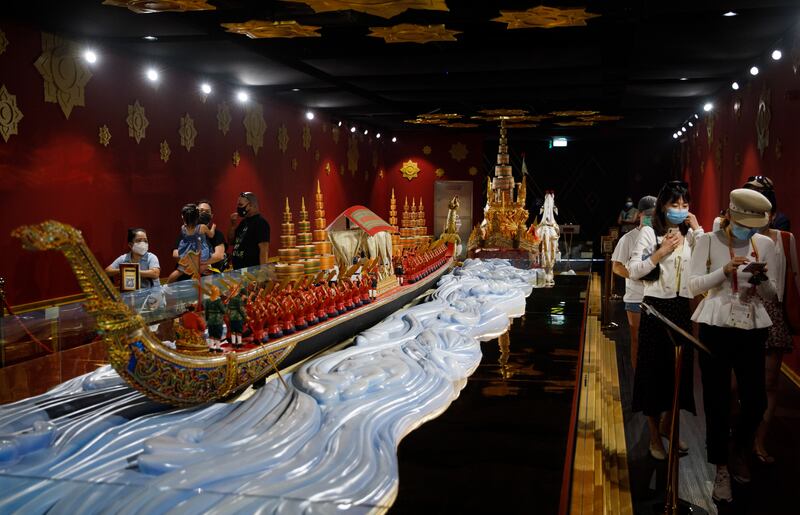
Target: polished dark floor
{"points": [[773, 489], [501, 446]]}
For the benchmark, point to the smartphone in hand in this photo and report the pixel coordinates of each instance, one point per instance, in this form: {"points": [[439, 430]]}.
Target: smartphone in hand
{"points": [[755, 267], [673, 231]]}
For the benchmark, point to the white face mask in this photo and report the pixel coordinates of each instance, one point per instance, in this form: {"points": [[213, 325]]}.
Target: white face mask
{"points": [[140, 247]]}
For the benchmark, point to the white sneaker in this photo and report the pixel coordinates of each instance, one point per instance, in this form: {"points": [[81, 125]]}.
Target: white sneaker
{"points": [[722, 486]]}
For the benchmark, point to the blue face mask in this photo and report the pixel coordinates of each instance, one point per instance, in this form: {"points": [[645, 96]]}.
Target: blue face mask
{"points": [[676, 216], [647, 220], [742, 233]]}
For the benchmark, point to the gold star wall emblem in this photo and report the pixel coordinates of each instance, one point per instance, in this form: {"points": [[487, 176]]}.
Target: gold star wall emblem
{"points": [[255, 126], [335, 134], [137, 122], [259, 29], [473, 171], [283, 138], [294, 164], [104, 135], [160, 6], [3, 42], [458, 151], [10, 115], [223, 117], [352, 155], [236, 158], [382, 8], [187, 132], [410, 170], [327, 168], [316, 156], [306, 137], [380, 173], [439, 172], [165, 151], [411, 33], [426, 150], [64, 72], [542, 17]]}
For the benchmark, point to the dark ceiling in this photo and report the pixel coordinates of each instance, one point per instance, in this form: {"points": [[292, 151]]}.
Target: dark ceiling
{"points": [[651, 62]]}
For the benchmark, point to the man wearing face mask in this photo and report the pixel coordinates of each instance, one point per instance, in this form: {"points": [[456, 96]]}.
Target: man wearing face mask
{"points": [[249, 233], [149, 268], [634, 289], [628, 218], [216, 240]]}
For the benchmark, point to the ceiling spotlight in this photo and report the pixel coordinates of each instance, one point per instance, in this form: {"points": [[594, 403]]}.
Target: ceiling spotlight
{"points": [[150, 38], [696, 116], [242, 96], [394, 139], [309, 115], [683, 129], [735, 85], [295, 89], [754, 71], [340, 124], [729, 14], [152, 75], [776, 55], [378, 136], [708, 106], [690, 124], [684, 78], [353, 128], [366, 131], [205, 88], [90, 56], [675, 135]]}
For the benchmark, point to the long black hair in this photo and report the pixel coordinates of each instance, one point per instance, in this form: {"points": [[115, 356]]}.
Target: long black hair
{"points": [[670, 192]]}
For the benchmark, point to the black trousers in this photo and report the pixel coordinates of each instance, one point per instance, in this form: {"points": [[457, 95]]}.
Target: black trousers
{"points": [[743, 352]]}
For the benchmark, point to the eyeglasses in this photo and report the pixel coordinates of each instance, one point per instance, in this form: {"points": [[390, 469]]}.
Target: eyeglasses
{"points": [[762, 180]]}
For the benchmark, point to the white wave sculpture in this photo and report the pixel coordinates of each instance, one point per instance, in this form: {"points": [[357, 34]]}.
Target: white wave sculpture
{"points": [[327, 444]]}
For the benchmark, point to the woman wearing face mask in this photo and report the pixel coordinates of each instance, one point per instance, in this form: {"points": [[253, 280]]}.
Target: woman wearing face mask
{"points": [[661, 260], [149, 268], [629, 216], [216, 240], [733, 325]]}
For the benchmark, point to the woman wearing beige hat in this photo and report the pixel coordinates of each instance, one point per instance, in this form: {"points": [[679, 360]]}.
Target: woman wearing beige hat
{"points": [[729, 266]]}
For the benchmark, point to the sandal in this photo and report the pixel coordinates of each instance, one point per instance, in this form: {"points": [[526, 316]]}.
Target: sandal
{"points": [[764, 458]]}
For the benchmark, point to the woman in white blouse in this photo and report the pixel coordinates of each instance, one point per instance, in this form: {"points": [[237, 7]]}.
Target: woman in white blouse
{"points": [[728, 266], [661, 259]]}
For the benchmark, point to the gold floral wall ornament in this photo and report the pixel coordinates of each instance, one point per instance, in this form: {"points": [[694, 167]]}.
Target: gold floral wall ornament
{"points": [[426, 150], [3, 42], [236, 158], [316, 155], [763, 117], [458, 151], [137, 121], [778, 149], [187, 132], [710, 121], [473, 171], [306, 137], [64, 71], [410, 170], [542, 17], [439, 172], [165, 151], [294, 164], [352, 155], [223, 117], [255, 126], [341, 169], [104, 135], [327, 168], [574, 113], [380, 173], [382, 8], [412, 33], [335, 134], [10, 115], [262, 29], [283, 138], [160, 6]]}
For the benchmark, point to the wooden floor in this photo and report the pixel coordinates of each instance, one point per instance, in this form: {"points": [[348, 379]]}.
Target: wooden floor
{"points": [[773, 489]]}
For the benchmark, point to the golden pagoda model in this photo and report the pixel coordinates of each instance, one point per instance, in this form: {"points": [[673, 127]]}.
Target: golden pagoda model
{"points": [[397, 247], [289, 266], [323, 249], [504, 216]]}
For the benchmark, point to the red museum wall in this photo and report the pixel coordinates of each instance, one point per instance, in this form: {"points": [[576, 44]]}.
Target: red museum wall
{"points": [[55, 167], [412, 147], [721, 152]]}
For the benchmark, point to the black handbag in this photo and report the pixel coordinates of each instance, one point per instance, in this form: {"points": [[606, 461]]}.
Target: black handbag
{"points": [[654, 274]]}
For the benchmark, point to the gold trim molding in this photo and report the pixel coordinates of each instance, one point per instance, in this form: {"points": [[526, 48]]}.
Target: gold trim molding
{"points": [[382, 8], [161, 6], [412, 33], [543, 17], [263, 29]]}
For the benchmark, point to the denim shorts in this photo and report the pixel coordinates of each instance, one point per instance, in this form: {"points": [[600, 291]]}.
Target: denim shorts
{"points": [[633, 307]]}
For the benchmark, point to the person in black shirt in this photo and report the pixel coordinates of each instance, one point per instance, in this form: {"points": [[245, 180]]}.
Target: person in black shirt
{"points": [[218, 260], [249, 232]]}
